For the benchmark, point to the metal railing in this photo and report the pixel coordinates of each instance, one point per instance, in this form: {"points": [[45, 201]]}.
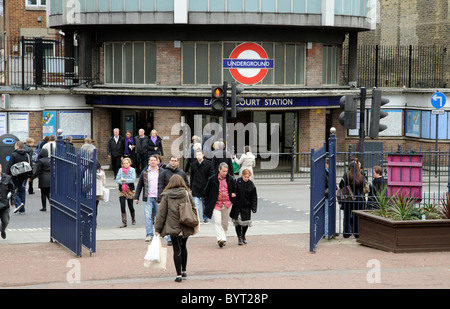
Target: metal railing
{"points": [[38, 62], [401, 66]]}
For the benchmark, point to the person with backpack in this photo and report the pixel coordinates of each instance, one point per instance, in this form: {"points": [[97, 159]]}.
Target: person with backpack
{"points": [[42, 171], [20, 154], [29, 147]]}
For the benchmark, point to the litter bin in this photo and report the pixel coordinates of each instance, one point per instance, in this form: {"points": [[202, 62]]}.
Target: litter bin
{"points": [[7, 143]]}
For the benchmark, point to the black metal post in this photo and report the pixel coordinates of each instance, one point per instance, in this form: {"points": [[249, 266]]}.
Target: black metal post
{"points": [[224, 129], [23, 62], [362, 132], [410, 66], [376, 64]]}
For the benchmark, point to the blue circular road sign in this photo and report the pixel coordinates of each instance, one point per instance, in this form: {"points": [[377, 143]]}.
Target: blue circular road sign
{"points": [[438, 100]]}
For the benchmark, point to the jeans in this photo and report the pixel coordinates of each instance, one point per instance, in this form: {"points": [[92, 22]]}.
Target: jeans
{"points": [[21, 189], [150, 209], [200, 206]]}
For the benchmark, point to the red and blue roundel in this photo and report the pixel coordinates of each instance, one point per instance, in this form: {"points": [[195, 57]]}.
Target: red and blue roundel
{"points": [[248, 63]]}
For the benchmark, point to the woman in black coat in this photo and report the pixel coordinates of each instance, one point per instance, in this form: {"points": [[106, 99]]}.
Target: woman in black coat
{"points": [[246, 202], [42, 170], [354, 179], [154, 144]]}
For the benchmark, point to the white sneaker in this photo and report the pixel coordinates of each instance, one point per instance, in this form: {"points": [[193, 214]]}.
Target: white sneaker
{"points": [[148, 238]]}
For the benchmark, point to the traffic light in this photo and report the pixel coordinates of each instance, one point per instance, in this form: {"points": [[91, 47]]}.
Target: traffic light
{"points": [[218, 99], [235, 100], [377, 114], [348, 117]]}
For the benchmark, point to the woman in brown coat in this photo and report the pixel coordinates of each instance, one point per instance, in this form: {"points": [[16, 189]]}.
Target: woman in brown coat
{"points": [[168, 221]]}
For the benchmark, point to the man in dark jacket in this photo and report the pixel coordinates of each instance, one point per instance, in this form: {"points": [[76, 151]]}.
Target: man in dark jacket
{"points": [[141, 151], [7, 192], [20, 154], [218, 196], [164, 176], [114, 149], [201, 170]]}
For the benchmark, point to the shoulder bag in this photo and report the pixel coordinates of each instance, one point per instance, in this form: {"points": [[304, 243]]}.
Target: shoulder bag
{"points": [[188, 216]]}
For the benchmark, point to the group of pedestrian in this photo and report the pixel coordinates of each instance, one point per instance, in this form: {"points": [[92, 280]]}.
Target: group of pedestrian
{"points": [[358, 186], [13, 185], [137, 149], [211, 190]]}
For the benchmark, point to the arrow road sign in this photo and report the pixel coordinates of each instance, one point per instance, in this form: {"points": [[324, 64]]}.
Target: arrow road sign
{"points": [[438, 100]]}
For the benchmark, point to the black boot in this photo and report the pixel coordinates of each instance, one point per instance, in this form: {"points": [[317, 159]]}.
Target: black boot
{"points": [[244, 230], [239, 234]]}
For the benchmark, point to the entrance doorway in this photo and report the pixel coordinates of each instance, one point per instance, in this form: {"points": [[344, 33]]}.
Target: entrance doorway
{"points": [[133, 120]]}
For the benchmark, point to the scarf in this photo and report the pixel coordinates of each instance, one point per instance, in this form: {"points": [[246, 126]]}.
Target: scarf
{"points": [[125, 186], [127, 149], [154, 139]]}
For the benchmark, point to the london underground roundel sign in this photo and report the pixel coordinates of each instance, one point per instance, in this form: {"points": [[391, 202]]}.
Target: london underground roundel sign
{"points": [[248, 63]]}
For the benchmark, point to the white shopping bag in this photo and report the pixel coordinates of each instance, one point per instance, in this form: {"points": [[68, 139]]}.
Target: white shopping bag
{"points": [[105, 197], [156, 255], [153, 252]]}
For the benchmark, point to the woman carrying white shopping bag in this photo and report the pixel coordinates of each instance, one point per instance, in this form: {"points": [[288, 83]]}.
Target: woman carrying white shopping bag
{"points": [[167, 222]]}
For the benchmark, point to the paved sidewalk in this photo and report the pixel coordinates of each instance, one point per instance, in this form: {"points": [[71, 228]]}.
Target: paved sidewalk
{"points": [[276, 257], [266, 262]]}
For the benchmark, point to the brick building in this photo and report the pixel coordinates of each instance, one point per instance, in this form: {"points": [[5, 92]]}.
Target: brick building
{"points": [[139, 62]]}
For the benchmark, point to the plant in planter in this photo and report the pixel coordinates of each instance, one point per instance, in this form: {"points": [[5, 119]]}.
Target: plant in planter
{"points": [[397, 225], [445, 210], [401, 207]]}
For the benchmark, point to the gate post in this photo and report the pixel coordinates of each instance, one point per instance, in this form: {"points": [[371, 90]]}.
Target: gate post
{"points": [[332, 142]]}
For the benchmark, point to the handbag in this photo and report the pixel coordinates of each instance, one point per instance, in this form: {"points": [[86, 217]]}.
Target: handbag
{"points": [[188, 215], [236, 168], [366, 187], [345, 194], [20, 168]]}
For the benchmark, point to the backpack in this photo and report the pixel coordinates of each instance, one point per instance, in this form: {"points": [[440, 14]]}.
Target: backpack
{"points": [[35, 157], [21, 168]]}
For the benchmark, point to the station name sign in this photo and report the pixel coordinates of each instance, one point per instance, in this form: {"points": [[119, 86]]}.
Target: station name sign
{"points": [[199, 102]]}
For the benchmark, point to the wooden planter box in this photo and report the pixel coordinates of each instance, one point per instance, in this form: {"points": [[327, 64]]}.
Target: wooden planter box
{"points": [[403, 236]]}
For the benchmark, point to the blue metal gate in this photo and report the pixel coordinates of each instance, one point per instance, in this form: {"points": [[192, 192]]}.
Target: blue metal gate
{"points": [[72, 198], [322, 204]]}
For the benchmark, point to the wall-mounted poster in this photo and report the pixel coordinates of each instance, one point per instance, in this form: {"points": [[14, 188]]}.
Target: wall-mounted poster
{"points": [[3, 123], [18, 125], [48, 123], [412, 120], [75, 123], [394, 122]]}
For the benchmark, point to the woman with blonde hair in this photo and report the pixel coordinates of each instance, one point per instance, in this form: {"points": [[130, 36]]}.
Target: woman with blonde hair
{"points": [[245, 203], [168, 221], [154, 144], [125, 179]]}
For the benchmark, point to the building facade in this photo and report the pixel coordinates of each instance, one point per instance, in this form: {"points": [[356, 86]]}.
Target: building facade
{"points": [[156, 61], [129, 63]]}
